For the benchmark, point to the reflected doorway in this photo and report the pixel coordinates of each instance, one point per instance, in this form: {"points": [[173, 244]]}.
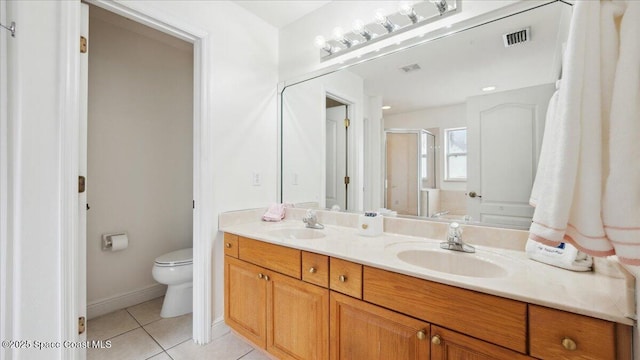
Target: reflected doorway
{"points": [[337, 149], [410, 170]]}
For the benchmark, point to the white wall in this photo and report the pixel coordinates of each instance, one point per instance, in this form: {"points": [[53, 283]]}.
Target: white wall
{"points": [[441, 117], [140, 151], [304, 128], [242, 83], [242, 94]]}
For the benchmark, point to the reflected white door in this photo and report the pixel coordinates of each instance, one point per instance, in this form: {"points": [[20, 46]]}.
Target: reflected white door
{"points": [[504, 137], [336, 193]]}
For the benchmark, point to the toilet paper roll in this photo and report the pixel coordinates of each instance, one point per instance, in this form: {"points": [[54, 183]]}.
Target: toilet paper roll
{"points": [[119, 242]]}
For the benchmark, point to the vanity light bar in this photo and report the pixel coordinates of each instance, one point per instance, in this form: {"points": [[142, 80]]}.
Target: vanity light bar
{"points": [[361, 35]]}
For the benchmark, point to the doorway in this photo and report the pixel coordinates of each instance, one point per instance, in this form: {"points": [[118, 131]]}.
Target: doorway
{"points": [[139, 156], [203, 179], [337, 158]]}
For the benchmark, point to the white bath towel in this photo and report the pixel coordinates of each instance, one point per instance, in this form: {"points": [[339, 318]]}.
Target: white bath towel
{"points": [[569, 194], [621, 207]]}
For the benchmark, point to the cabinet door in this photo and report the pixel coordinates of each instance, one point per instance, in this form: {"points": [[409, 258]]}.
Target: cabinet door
{"points": [[297, 319], [245, 296], [450, 345], [363, 331]]}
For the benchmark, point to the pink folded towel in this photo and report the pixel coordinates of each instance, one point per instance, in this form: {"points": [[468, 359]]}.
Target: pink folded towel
{"points": [[276, 212]]}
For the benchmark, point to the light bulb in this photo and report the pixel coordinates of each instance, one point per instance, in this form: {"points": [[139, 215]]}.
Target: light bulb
{"points": [[405, 8], [381, 16], [383, 20], [320, 42], [338, 34], [359, 28]]}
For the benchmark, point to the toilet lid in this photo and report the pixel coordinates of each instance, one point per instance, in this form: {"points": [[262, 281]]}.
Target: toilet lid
{"points": [[174, 258]]}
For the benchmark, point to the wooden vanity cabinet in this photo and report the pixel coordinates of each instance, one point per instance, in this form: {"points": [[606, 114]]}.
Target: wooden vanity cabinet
{"points": [[301, 305], [282, 314], [360, 330]]}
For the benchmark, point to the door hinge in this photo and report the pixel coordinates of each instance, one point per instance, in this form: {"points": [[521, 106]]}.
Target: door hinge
{"points": [[83, 44], [81, 325], [81, 182], [193, 204], [346, 180], [347, 122]]}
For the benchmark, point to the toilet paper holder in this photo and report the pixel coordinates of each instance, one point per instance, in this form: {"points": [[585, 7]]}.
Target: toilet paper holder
{"points": [[107, 242]]}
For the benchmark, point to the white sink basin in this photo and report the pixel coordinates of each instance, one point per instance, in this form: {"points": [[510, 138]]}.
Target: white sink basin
{"points": [[297, 234], [452, 262]]}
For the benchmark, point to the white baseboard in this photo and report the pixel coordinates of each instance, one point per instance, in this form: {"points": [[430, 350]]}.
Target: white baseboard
{"points": [[121, 301]]}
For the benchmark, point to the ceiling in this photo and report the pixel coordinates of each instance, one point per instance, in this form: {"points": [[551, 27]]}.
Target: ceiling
{"points": [[280, 13]]}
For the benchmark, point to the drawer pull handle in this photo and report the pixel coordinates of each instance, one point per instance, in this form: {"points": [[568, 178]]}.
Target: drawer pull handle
{"points": [[266, 277], [421, 334], [342, 278], [313, 270], [435, 340], [569, 344], [228, 245], [260, 276]]}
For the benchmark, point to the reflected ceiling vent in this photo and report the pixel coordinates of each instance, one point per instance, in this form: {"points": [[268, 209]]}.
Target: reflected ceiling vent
{"points": [[517, 37], [410, 68]]}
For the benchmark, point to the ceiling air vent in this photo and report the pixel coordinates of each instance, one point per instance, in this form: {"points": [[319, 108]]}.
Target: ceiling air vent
{"points": [[517, 37], [410, 68]]}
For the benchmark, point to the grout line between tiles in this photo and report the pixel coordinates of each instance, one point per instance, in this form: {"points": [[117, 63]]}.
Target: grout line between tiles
{"points": [[154, 339], [128, 331], [189, 339], [250, 351]]}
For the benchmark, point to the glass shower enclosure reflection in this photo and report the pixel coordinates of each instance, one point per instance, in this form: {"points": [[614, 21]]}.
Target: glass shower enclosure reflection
{"points": [[410, 169]]}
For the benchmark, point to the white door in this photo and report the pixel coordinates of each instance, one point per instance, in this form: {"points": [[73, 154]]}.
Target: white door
{"points": [[82, 170], [504, 136], [336, 193]]}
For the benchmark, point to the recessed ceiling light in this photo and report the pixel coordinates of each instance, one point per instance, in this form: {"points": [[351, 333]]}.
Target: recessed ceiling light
{"points": [[488, 88], [386, 107]]}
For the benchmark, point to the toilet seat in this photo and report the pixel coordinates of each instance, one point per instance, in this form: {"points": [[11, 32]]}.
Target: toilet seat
{"points": [[175, 258]]}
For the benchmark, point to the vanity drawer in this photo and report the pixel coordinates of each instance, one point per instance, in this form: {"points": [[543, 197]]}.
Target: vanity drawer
{"points": [[274, 257], [315, 269], [230, 245], [553, 333], [346, 277], [494, 319]]}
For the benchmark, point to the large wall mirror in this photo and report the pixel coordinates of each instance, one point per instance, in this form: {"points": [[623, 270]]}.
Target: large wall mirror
{"points": [[449, 129]]}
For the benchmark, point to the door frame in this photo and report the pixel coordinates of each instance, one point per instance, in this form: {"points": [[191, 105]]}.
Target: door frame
{"points": [[203, 179]]}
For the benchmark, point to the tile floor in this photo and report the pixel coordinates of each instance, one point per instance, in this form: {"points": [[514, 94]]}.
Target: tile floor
{"points": [[138, 332]]}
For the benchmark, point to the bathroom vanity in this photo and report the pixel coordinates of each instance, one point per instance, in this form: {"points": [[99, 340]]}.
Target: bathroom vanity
{"points": [[317, 294]]}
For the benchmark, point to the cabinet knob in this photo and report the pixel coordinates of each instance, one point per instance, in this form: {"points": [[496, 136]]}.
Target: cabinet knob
{"points": [[436, 340], [313, 270], [260, 276], [422, 334], [569, 344], [342, 278], [266, 277], [228, 245]]}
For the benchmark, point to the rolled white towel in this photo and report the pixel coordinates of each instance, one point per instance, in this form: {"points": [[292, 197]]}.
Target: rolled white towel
{"points": [[565, 256]]}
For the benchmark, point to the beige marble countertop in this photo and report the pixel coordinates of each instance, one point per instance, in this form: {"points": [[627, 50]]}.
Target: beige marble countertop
{"points": [[593, 294]]}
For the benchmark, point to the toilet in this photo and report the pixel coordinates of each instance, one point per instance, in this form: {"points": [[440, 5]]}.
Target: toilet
{"points": [[175, 269]]}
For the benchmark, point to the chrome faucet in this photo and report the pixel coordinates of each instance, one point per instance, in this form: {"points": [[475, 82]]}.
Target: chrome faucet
{"points": [[311, 220], [454, 240]]}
